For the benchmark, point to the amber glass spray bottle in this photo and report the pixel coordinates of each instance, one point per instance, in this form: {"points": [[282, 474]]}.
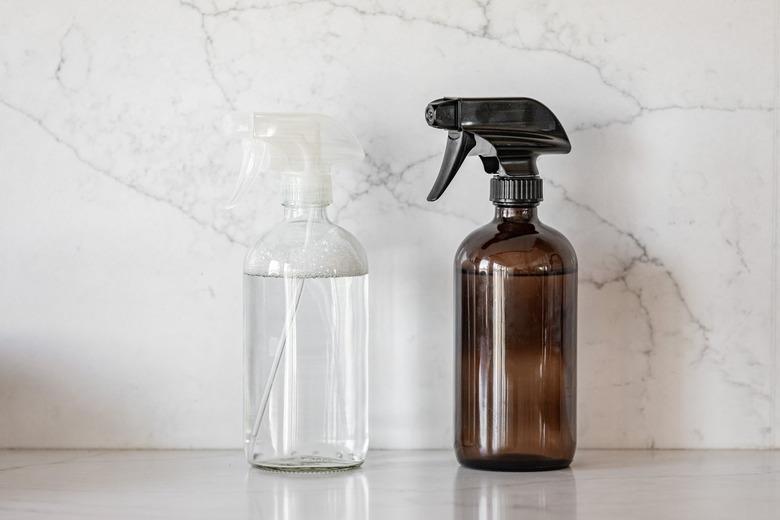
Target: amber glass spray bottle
{"points": [[515, 293]]}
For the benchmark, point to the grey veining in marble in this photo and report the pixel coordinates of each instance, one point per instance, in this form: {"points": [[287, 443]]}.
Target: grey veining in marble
{"points": [[601, 485], [120, 294]]}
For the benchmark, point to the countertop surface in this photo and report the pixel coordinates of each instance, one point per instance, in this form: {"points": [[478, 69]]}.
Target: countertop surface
{"points": [[392, 484]]}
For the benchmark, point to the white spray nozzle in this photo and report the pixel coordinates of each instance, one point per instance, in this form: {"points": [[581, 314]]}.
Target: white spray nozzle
{"points": [[302, 148]]}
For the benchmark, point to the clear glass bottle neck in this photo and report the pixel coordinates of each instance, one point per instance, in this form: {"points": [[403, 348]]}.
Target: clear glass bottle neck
{"points": [[517, 213], [309, 213]]}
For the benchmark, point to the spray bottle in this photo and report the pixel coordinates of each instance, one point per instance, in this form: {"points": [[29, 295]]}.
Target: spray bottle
{"points": [[305, 304], [515, 293]]}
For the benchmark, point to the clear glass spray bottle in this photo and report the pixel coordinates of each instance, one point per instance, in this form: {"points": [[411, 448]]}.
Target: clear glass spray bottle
{"points": [[305, 306]]}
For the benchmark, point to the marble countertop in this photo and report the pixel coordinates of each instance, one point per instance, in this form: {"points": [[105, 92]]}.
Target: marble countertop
{"points": [[392, 484]]}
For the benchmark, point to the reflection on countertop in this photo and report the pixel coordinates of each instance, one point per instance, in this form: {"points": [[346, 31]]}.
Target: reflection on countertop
{"points": [[392, 484]]}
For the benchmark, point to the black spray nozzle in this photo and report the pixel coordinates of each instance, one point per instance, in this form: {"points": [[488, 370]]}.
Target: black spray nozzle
{"points": [[507, 133]]}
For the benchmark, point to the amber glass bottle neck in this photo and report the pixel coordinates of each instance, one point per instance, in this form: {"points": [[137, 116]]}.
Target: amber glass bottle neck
{"points": [[517, 213]]}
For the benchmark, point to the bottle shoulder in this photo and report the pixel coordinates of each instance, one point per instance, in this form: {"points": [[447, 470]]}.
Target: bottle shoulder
{"points": [[306, 249], [520, 247]]}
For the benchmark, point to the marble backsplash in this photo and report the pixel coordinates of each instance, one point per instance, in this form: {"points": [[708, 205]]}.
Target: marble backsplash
{"points": [[120, 272]]}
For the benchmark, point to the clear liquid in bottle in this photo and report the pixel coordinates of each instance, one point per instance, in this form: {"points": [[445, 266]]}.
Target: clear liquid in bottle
{"points": [[305, 351]]}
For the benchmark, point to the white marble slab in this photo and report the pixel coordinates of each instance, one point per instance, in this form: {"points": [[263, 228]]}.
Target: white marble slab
{"points": [[601, 485], [120, 272]]}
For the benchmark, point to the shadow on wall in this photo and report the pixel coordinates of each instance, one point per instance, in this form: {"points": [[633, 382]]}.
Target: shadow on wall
{"points": [[411, 347], [44, 401], [634, 328]]}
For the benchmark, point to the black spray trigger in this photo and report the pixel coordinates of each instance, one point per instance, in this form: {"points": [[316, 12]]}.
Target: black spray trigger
{"points": [[508, 134], [459, 144]]}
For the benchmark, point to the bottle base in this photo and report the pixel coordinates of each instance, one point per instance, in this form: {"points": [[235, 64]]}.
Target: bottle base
{"points": [[306, 464], [515, 463]]}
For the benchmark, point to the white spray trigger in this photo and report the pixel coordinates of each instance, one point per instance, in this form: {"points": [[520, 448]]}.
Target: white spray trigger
{"points": [[301, 148], [254, 159]]}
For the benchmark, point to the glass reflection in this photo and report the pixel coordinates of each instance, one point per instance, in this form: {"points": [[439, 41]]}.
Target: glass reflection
{"points": [[287, 496], [487, 495]]}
